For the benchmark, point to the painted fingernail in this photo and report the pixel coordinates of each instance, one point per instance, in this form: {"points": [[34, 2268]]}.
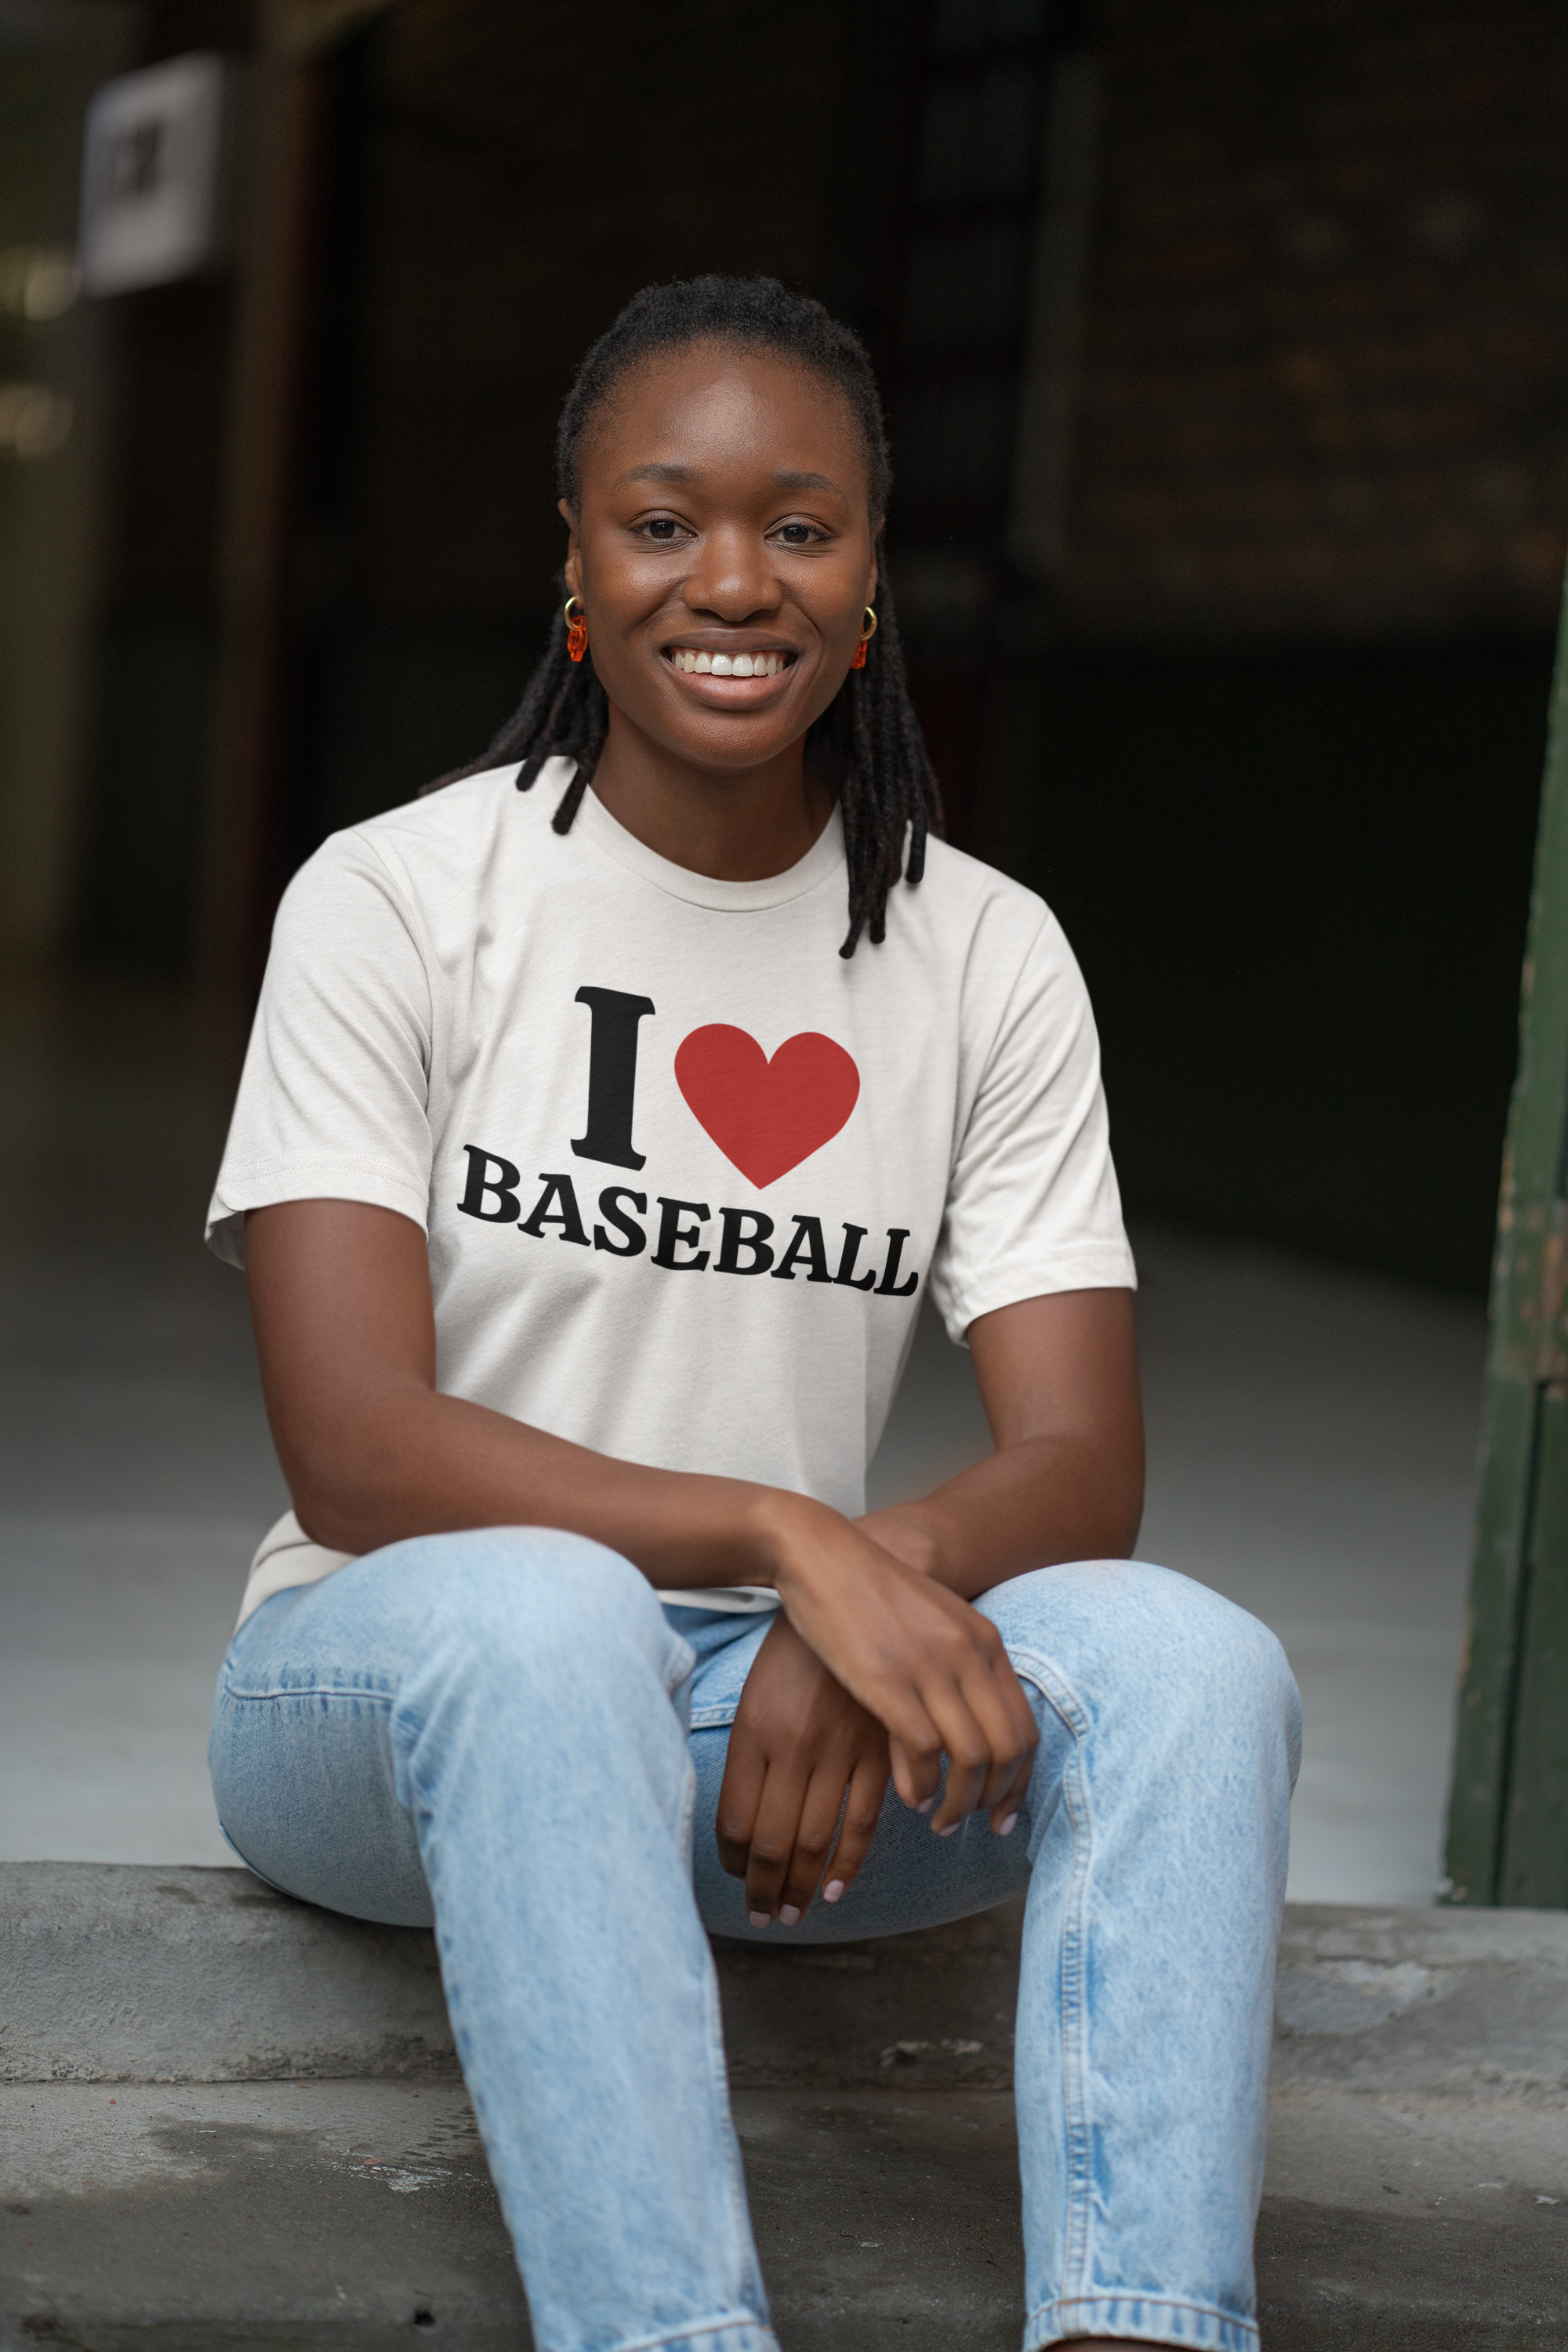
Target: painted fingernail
{"points": [[758, 1918], [928, 1806], [788, 1914], [950, 1829], [833, 1890], [1006, 1828]]}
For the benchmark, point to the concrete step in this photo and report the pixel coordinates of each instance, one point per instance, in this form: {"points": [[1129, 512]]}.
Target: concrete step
{"points": [[230, 2121]]}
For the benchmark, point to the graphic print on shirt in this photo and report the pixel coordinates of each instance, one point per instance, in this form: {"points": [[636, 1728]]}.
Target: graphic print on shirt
{"points": [[767, 1115], [611, 1076]]}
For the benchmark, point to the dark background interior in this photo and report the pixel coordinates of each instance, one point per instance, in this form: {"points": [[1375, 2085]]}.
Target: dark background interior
{"points": [[1269, 736]]}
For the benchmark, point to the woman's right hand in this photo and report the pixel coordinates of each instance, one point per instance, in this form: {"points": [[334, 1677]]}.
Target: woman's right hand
{"points": [[928, 1666]]}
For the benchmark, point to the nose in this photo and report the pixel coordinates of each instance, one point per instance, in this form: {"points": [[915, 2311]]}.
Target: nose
{"points": [[732, 579]]}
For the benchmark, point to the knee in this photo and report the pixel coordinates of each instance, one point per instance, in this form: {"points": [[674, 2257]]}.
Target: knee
{"points": [[534, 1603], [1227, 1659], [1218, 1679], [1164, 1641]]}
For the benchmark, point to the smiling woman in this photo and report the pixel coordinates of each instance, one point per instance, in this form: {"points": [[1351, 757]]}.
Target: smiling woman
{"points": [[731, 374], [579, 1639]]}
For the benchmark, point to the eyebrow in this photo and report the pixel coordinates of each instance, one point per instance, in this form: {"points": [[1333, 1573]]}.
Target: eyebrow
{"points": [[786, 480], [684, 477]]}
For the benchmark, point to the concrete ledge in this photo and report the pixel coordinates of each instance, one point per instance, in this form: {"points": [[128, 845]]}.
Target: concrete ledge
{"points": [[112, 1973], [231, 2123]]}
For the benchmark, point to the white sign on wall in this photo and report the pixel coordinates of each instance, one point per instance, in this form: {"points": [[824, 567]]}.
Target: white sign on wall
{"points": [[155, 175]]}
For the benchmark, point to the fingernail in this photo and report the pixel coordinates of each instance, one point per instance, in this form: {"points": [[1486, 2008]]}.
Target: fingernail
{"points": [[833, 1890], [950, 1829], [928, 1806], [758, 1918], [1008, 1827], [788, 1914]]}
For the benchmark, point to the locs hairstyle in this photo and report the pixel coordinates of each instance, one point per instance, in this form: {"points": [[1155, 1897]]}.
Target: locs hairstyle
{"points": [[869, 737]]}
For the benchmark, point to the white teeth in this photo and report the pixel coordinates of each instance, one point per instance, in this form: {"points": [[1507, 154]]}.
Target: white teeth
{"points": [[728, 665]]}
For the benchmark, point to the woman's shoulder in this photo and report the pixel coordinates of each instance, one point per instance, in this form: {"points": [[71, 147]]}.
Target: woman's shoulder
{"points": [[961, 893], [456, 816], [423, 847]]}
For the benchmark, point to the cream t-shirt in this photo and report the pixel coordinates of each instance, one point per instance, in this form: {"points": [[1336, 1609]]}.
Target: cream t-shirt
{"points": [[685, 1172]]}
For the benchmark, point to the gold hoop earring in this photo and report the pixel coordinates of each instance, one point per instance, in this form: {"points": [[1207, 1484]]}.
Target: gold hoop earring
{"points": [[858, 659], [576, 630]]}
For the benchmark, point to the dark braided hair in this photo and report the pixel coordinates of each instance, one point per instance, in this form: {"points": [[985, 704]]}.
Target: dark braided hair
{"points": [[869, 737]]}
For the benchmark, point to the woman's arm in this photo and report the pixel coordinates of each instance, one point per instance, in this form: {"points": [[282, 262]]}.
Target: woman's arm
{"points": [[372, 1453], [1059, 1379], [339, 1295]]}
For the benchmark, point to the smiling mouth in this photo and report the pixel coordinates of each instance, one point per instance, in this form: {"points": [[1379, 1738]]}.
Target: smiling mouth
{"points": [[707, 665]]}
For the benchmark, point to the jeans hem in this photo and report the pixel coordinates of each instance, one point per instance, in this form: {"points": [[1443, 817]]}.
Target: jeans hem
{"points": [[741, 2332], [1146, 2318]]}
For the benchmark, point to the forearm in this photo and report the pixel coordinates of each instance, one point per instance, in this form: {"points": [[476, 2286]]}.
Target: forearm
{"points": [[1043, 1500], [408, 1461], [1058, 1378], [373, 1451]]}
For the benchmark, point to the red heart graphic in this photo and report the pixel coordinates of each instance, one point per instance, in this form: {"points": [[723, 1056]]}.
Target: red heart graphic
{"points": [[766, 1117]]}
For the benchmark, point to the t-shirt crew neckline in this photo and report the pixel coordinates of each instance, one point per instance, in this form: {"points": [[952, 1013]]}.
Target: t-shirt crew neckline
{"points": [[824, 859]]}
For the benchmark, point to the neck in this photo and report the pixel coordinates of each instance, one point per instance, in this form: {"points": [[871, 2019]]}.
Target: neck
{"points": [[733, 825]]}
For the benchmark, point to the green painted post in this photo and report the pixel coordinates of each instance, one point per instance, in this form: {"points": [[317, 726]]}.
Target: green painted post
{"points": [[1508, 1814]]}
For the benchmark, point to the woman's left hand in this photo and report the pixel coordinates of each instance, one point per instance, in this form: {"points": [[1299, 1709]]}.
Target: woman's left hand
{"points": [[798, 1746]]}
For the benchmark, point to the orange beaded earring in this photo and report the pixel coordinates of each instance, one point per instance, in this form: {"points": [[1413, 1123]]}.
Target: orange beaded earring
{"points": [[577, 630], [858, 658]]}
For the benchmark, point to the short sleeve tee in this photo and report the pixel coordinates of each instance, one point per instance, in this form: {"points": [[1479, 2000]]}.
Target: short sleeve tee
{"points": [[685, 1172]]}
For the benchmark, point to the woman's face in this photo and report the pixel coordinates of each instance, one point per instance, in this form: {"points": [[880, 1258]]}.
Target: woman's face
{"points": [[723, 518]]}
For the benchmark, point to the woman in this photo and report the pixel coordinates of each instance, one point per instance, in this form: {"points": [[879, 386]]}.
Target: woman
{"points": [[589, 1166]]}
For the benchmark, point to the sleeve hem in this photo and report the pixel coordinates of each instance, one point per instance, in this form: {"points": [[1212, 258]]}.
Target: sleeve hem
{"points": [[334, 1180], [962, 1305]]}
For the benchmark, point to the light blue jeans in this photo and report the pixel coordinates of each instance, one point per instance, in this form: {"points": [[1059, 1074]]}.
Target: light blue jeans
{"points": [[505, 1733]]}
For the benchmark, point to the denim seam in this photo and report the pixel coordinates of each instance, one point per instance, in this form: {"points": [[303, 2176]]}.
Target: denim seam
{"points": [[718, 2072], [307, 1690], [734, 2173], [718, 2093], [1065, 1701], [1065, 2315], [404, 1731]]}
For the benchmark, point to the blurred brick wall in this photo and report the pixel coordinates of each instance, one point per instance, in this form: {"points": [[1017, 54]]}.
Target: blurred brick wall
{"points": [[1324, 388]]}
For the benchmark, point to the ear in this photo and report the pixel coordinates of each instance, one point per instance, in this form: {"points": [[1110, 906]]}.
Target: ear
{"points": [[574, 566]]}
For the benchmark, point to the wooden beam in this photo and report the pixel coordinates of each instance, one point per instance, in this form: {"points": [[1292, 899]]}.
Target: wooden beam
{"points": [[1508, 1820]]}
